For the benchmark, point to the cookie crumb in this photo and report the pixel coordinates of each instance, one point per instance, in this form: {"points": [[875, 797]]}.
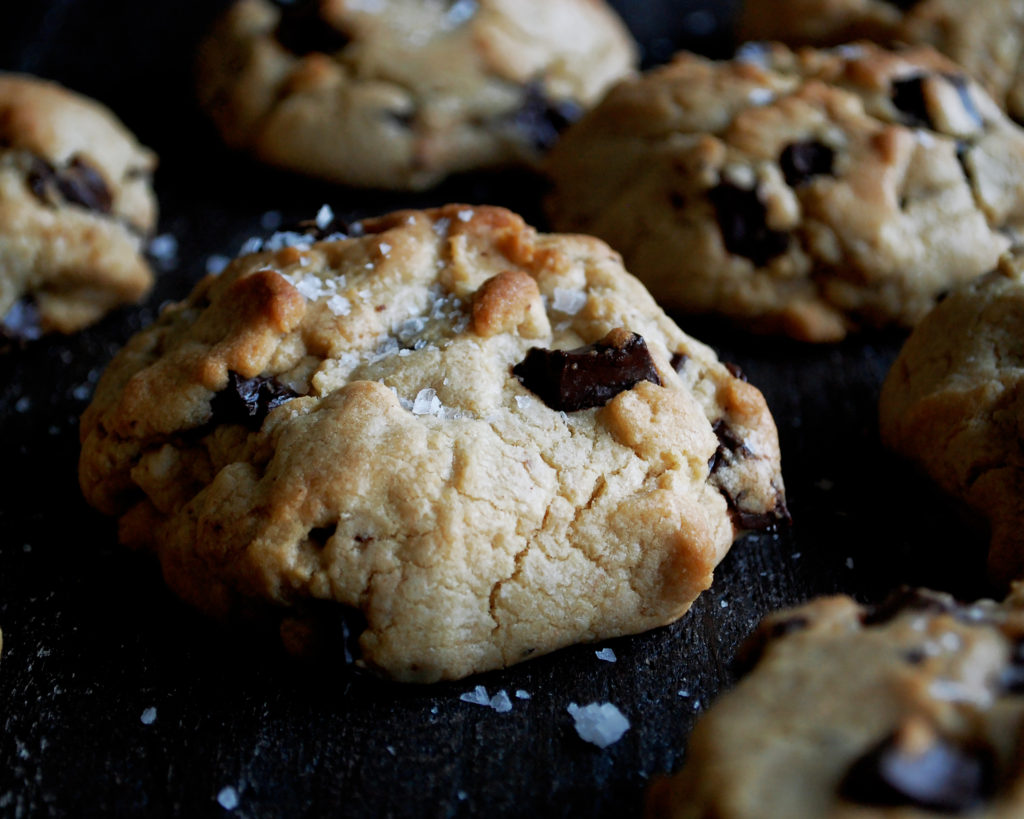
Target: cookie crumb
{"points": [[601, 724]]}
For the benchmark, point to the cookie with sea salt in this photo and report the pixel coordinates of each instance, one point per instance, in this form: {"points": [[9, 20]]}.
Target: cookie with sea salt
{"points": [[986, 37], [401, 93], [953, 404], [913, 708], [76, 207], [490, 442], [810, 193]]}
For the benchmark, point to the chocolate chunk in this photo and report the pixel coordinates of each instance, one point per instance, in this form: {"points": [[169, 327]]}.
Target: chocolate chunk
{"points": [[945, 777], [741, 218], [802, 161], [909, 599], [77, 184], [541, 119], [735, 371], [22, 322], [588, 376], [678, 361], [903, 5], [728, 442], [908, 97], [1012, 677], [302, 30], [248, 401], [319, 535]]}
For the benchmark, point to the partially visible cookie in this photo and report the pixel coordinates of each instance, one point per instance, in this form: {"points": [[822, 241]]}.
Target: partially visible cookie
{"points": [[75, 209], [401, 93], [810, 193], [490, 441], [953, 403], [914, 708], [986, 37]]}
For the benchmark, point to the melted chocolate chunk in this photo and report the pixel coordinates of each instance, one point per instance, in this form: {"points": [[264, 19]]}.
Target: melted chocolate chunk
{"points": [[735, 371], [541, 119], [944, 777], [678, 361], [302, 30], [908, 97], [588, 376], [728, 442], [248, 401], [741, 218], [802, 161], [909, 599], [22, 322], [77, 184]]}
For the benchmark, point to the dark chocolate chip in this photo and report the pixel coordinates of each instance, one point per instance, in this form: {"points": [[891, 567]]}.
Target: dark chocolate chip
{"points": [[914, 656], [1012, 677], [728, 442], [741, 218], [944, 777], [588, 376], [963, 150], [22, 322], [77, 184], [735, 371], [903, 5], [802, 161], [907, 599], [541, 119], [321, 534], [678, 361], [908, 97], [302, 30], [248, 401]]}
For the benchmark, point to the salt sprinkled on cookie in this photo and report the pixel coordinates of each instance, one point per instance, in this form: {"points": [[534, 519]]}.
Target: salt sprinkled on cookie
{"points": [[601, 724]]}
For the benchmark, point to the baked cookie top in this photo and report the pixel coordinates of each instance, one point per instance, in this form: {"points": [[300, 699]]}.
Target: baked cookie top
{"points": [[401, 93], [75, 208], [953, 403], [490, 441], [986, 37], [804, 192], [913, 708]]}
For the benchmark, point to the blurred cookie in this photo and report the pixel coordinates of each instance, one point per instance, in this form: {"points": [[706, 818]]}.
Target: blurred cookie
{"points": [[810, 193], [914, 708], [401, 93], [76, 206], [986, 37], [953, 403], [489, 441]]}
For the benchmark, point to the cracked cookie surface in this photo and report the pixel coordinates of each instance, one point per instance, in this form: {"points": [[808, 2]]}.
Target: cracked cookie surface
{"points": [[75, 208], [953, 404], [401, 93], [347, 420], [809, 193], [912, 708], [986, 37]]}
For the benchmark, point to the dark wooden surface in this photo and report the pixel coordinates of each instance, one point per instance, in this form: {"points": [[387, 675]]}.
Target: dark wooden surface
{"points": [[92, 639]]}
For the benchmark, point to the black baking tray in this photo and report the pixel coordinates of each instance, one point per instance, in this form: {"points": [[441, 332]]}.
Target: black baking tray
{"points": [[93, 641]]}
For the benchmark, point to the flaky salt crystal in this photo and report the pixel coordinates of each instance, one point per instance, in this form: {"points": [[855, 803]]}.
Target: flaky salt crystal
{"points": [[522, 694], [426, 403], [501, 703], [324, 216], [606, 654], [568, 301], [478, 696], [228, 798], [339, 305], [601, 724], [148, 716]]}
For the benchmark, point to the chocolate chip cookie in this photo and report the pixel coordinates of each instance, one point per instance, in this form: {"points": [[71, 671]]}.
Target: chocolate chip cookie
{"points": [[953, 403], [913, 708], [76, 206], [490, 442], [986, 37], [401, 93], [809, 193]]}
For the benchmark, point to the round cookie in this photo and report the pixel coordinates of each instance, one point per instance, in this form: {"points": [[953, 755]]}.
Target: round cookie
{"points": [[986, 37], [953, 403], [914, 708], [76, 207], [401, 93], [489, 441], [809, 193]]}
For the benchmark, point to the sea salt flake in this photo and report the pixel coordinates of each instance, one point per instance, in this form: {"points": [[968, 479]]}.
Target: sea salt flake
{"points": [[478, 696], [324, 216], [599, 723], [23, 404], [339, 305], [606, 654], [724, 604], [682, 692], [501, 703], [426, 403], [391, 750], [760, 96], [164, 249], [568, 301], [465, 215], [148, 716], [522, 694], [462, 795], [251, 245], [384, 248], [523, 401], [228, 798], [849, 563]]}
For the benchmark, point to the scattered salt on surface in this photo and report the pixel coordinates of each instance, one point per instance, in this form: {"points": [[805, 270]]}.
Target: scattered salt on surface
{"points": [[523, 401], [682, 692], [522, 695], [164, 250], [724, 604], [568, 301], [478, 696], [500, 702], [465, 215], [599, 723], [760, 96], [324, 216], [797, 555], [426, 403], [384, 248], [271, 220], [606, 654], [216, 263], [849, 563], [391, 750], [228, 798], [251, 245], [82, 392], [339, 305], [462, 795], [148, 716]]}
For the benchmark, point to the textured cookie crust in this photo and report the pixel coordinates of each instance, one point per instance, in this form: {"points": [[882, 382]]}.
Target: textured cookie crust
{"points": [[808, 193], [953, 403], [341, 421], [75, 208], [911, 709], [401, 93], [986, 37]]}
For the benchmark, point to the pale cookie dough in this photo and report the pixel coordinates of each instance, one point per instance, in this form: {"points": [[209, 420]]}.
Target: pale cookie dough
{"points": [[400, 421], [76, 207], [914, 708], [953, 403], [986, 37], [401, 93], [809, 193]]}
